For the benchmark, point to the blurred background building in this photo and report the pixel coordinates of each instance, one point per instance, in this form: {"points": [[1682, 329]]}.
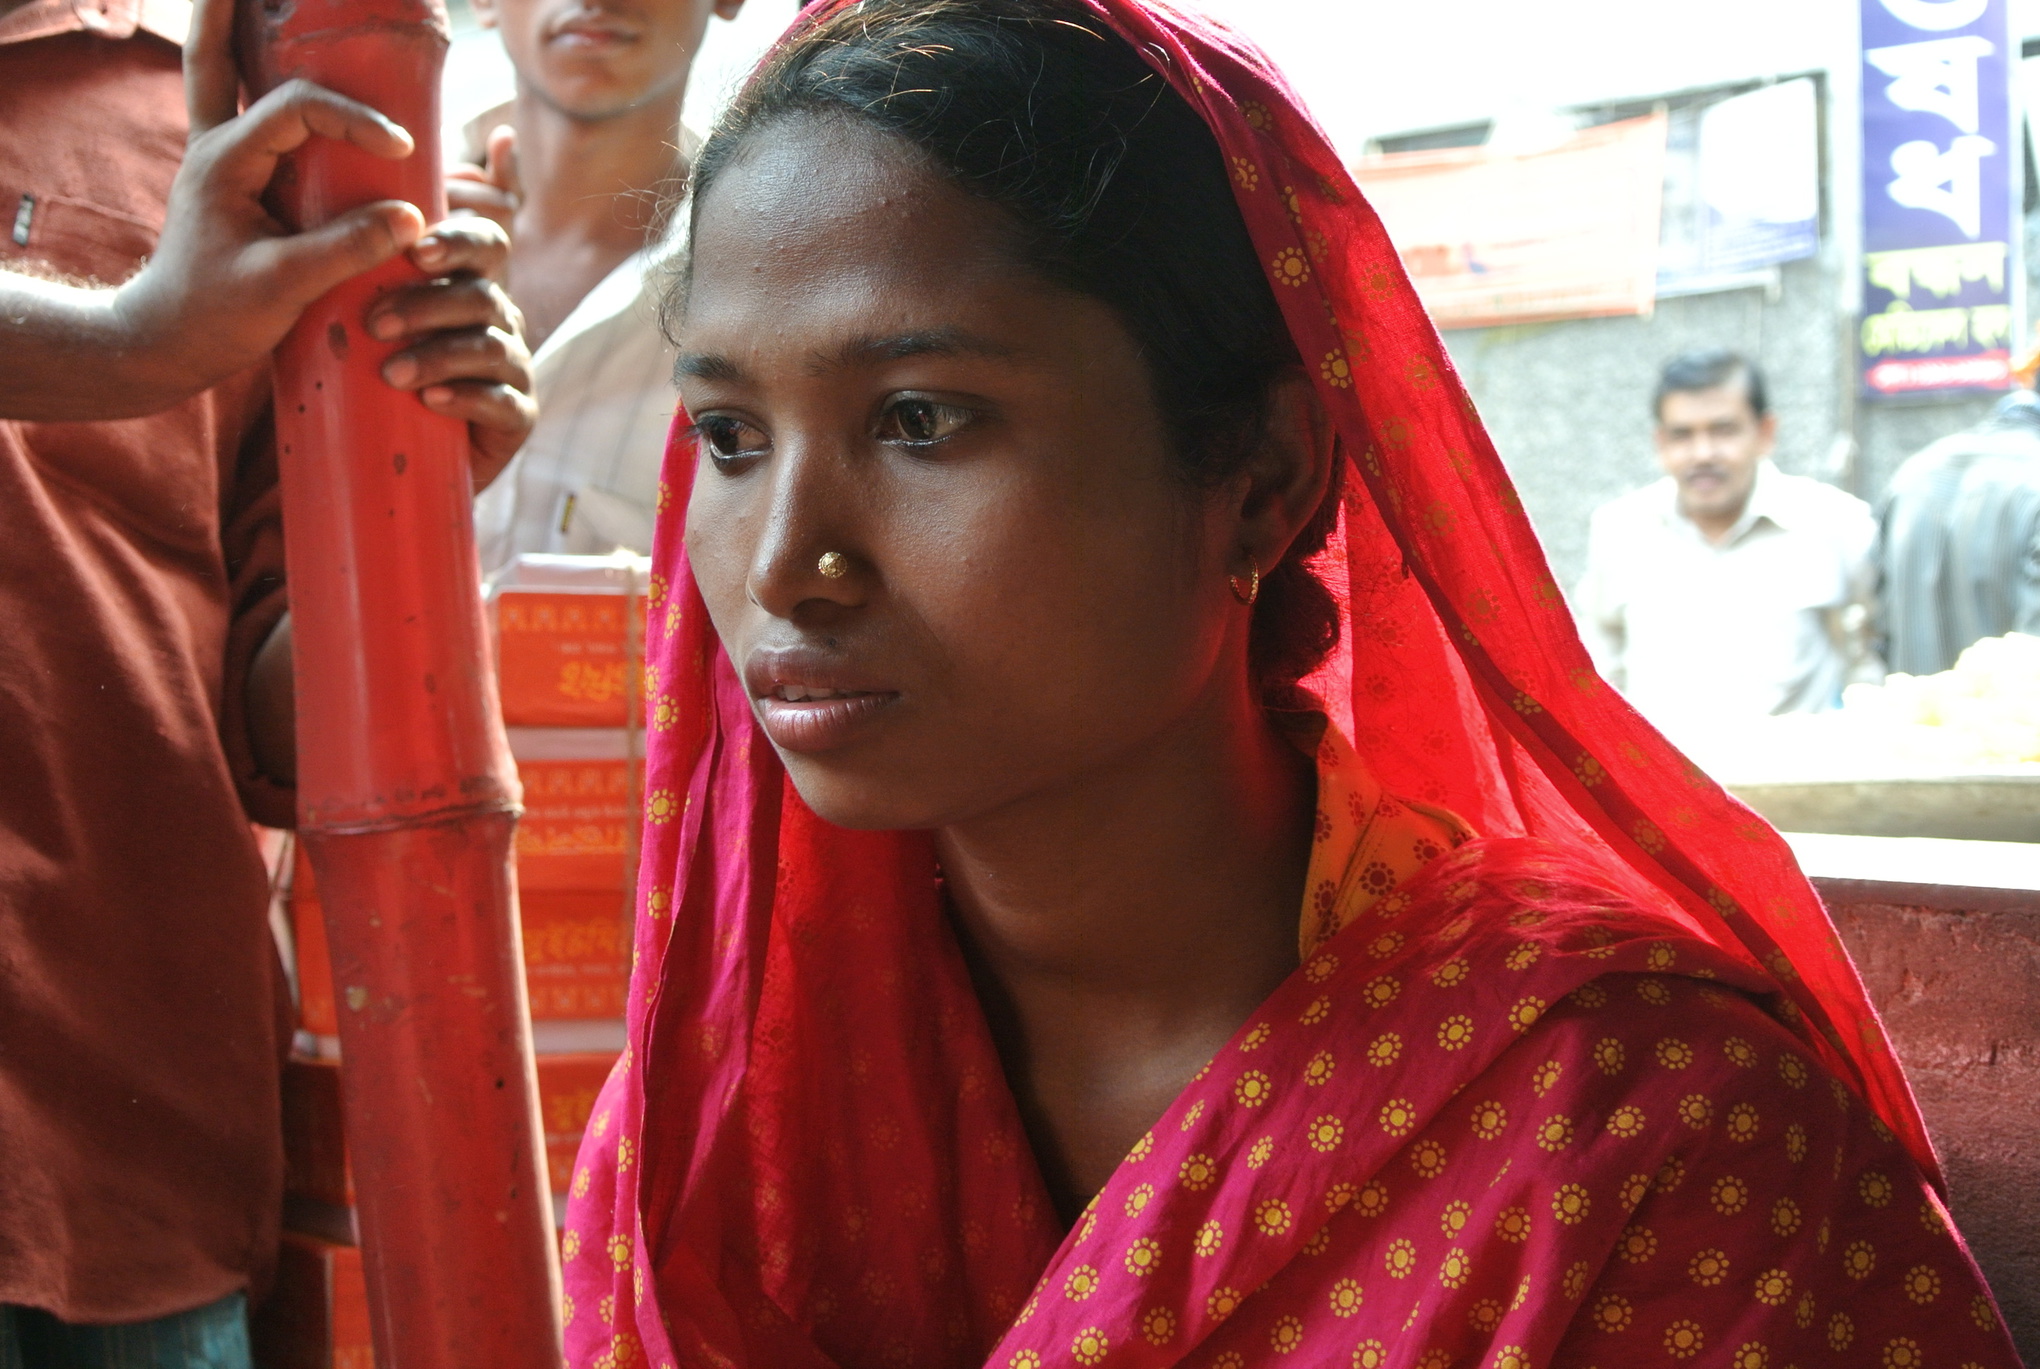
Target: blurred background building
{"points": [[1567, 399]]}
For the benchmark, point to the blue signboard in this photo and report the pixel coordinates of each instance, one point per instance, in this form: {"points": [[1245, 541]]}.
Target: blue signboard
{"points": [[1941, 158]]}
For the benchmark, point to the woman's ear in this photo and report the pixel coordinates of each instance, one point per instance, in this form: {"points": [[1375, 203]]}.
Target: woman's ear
{"points": [[1285, 481]]}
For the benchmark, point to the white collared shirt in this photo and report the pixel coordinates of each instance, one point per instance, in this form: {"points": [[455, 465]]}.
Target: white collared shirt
{"points": [[587, 479], [1772, 619]]}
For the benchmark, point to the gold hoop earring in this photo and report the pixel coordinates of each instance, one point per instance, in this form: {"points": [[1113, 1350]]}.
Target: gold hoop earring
{"points": [[834, 565], [1251, 589]]}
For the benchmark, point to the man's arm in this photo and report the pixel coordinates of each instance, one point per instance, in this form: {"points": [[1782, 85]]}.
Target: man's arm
{"points": [[226, 281], [64, 353], [225, 266]]}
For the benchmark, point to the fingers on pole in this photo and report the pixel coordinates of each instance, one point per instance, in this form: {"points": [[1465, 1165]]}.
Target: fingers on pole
{"points": [[301, 267], [297, 111]]}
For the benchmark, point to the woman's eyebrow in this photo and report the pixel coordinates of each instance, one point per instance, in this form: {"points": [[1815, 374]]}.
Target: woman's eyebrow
{"points": [[706, 366], [858, 351], [923, 342]]}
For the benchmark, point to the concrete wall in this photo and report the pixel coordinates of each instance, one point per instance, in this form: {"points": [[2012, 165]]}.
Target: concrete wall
{"points": [[1956, 974]]}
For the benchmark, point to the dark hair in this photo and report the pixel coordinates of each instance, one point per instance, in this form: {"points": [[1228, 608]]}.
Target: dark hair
{"points": [[1117, 190], [1704, 370]]}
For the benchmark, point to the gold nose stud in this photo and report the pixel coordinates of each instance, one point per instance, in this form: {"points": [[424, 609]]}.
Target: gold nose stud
{"points": [[834, 564]]}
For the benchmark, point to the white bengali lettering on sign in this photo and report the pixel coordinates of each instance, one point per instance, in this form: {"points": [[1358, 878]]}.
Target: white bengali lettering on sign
{"points": [[1900, 328], [1985, 371], [1947, 183], [1938, 142], [1936, 16], [1935, 77]]}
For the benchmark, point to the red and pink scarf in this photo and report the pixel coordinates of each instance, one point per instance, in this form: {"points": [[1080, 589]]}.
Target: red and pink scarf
{"points": [[1570, 1080]]}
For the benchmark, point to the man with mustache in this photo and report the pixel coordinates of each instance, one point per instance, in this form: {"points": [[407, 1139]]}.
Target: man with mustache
{"points": [[1728, 589], [575, 166]]}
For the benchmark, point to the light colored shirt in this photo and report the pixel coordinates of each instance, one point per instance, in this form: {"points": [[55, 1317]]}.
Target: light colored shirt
{"points": [[1772, 619], [586, 481]]}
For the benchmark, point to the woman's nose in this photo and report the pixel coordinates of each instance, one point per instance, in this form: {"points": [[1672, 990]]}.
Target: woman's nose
{"points": [[808, 557]]}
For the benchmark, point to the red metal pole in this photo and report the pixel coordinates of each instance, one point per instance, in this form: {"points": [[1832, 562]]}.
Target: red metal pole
{"points": [[406, 793]]}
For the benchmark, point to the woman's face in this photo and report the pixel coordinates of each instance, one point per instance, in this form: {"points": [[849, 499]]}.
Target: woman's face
{"points": [[1026, 594]]}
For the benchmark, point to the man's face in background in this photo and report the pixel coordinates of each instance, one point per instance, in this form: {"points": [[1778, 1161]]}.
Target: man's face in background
{"points": [[1710, 442], [597, 59]]}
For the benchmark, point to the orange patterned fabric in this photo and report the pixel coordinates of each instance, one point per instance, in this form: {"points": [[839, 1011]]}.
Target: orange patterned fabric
{"points": [[1598, 1087], [1367, 843]]}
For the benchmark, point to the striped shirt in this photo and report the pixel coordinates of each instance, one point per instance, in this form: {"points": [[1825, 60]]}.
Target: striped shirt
{"points": [[1959, 540], [587, 479]]}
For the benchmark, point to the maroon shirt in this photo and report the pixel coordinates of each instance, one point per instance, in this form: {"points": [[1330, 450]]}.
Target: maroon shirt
{"points": [[140, 564]]}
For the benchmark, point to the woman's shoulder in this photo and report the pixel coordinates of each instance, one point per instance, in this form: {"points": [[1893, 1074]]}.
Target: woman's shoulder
{"points": [[1521, 997], [1536, 882], [1505, 1161], [1660, 1164], [1759, 1208], [1698, 1061], [1603, 1006], [1505, 929]]}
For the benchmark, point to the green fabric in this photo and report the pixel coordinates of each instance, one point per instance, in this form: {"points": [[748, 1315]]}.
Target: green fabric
{"points": [[211, 1337]]}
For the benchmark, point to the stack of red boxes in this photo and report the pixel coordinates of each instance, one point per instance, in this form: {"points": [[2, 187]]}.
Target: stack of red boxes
{"points": [[567, 634]]}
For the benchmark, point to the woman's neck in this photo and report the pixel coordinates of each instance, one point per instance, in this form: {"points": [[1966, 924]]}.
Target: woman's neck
{"points": [[1121, 929]]}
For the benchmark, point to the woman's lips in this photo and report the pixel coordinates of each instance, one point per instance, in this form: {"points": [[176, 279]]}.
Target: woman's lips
{"points": [[805, 718]]}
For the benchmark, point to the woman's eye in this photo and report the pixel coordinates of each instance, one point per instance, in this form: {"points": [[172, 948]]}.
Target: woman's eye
{"points": [[918, 422], [728, 439]]}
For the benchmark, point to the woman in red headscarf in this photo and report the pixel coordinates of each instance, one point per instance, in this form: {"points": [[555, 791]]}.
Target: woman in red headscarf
{"points": [[1138, 869]]}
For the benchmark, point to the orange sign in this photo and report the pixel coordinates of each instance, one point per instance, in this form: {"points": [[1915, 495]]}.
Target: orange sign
{"points": [[575, 833], [576, 953], [1493, 237], [563, 658]]}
